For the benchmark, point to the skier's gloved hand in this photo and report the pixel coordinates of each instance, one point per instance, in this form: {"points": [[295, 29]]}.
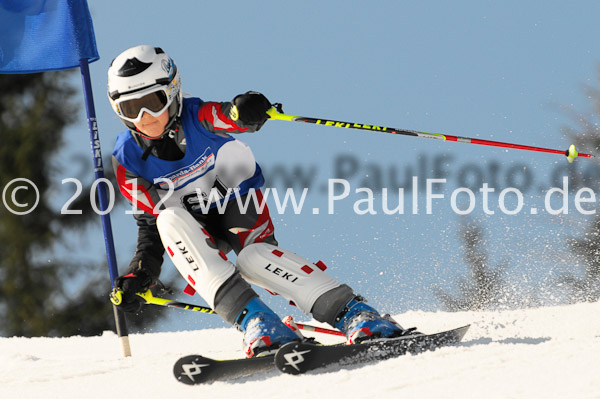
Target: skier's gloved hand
{"points": [[251, 108], [130, 284]]}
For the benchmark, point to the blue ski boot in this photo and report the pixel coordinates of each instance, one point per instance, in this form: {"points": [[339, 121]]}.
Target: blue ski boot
{"points": [[360, 322], [263, 331]]}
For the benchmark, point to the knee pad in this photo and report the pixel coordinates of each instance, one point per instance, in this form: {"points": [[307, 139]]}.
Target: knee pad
{"points": [[285, 273], [194, 253]]}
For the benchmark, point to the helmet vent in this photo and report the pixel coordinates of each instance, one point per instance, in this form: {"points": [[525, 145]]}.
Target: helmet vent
{"points": [[132, 67]]}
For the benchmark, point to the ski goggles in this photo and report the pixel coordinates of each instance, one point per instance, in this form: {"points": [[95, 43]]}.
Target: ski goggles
{"points": [[153, 101]]}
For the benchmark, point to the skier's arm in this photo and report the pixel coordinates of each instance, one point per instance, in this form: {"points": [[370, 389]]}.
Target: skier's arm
{"points": [[149, 251], [145, 266], [246, 113]]}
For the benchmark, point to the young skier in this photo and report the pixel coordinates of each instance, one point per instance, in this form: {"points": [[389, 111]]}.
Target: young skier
{"points": [[174, 152]]}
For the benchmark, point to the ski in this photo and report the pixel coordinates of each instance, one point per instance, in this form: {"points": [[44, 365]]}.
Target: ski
{"points": [[300, 357], [197, 369]]}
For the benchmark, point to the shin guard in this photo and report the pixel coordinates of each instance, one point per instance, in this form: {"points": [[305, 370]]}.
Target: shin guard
{"points": [[285, 273], [194, 253]]}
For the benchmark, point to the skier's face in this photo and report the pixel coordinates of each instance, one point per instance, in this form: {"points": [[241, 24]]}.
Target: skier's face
{"points": [[153, 126]]}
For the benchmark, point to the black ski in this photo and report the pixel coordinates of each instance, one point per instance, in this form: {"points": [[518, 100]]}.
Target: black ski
{"points": [[196, 369], [300, 357], [297, 358]]}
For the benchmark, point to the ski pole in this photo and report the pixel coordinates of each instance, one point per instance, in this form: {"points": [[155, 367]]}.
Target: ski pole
{"points": [[149, 299], [291, 323], [152, 300], [116, 297], [276, 112]]}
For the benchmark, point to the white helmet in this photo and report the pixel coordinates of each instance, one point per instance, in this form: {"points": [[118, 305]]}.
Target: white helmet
{"points": [[144, 79]]}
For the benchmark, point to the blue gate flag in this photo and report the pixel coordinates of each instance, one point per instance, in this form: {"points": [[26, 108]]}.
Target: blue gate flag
{"points": [[45, 35]]}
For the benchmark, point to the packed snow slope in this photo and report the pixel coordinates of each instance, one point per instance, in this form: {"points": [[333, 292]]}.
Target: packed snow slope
{"points": [[549, 352]]}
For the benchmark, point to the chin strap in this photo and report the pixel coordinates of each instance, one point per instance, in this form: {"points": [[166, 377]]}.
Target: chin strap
{"points": [[148, 150], [169, 131]]}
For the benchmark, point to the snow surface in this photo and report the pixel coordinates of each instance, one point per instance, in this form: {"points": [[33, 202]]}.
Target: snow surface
{"points": [[549, 352]]}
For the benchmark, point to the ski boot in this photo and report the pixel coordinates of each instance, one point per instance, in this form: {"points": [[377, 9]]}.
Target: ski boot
{"points": [[360, 322], [263, 331]]}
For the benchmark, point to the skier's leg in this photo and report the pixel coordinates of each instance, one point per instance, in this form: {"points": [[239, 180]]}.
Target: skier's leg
{"points": [[314, 291], [216, 280], [242, 227], [250, 231]]}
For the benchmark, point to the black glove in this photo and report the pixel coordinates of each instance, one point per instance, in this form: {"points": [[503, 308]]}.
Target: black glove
{"points": [[130, 284], [251, 108]]}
